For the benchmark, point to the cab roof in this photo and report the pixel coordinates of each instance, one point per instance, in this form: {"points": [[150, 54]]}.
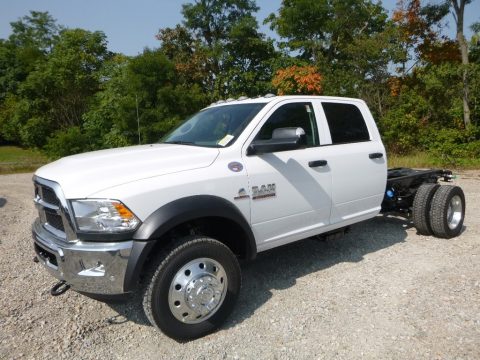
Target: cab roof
{"points": [[271, 97]]}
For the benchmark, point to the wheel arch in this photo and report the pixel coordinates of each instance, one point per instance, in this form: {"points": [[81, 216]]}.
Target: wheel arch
{"points": [[182, 214]]}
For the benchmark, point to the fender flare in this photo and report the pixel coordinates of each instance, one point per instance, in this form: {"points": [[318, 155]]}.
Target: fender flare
{"points": [[175, 213]]}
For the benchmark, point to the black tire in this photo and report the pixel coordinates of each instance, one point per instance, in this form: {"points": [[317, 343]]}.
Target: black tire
{"points": [[161, 286], [447, 211], [421, 208]]}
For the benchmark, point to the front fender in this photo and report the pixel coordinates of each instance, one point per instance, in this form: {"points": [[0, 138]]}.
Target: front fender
{"points": [[175, 213]]}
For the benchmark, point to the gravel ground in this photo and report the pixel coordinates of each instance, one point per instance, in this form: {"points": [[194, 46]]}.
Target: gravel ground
{"points": [[381, 292]]}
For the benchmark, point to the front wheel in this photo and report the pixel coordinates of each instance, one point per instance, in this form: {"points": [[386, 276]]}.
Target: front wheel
{"points": [[193, 289]]}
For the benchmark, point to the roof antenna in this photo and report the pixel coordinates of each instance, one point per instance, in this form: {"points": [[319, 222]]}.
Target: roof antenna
{"points": [[138, 119]]}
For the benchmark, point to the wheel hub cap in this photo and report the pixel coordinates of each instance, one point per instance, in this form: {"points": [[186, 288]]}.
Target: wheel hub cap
{"points": [[197, 290], [454, 212], [204, 294]]}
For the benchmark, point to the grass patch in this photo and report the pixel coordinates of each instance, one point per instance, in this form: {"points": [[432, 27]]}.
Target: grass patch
{"points": [[425, 160], [17, 160]]}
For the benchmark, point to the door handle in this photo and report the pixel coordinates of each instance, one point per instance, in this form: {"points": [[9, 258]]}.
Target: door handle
{"points": [[317, 163], [375, 155]]}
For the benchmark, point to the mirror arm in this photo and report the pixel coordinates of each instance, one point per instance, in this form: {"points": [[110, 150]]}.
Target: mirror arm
{"points": [[251, 150]]}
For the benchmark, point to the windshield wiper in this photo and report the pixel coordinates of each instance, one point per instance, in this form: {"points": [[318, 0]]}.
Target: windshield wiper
{"points": [[179, 142]]}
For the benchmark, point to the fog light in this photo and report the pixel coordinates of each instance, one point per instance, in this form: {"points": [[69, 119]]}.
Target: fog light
{"points": [[98, 270]]}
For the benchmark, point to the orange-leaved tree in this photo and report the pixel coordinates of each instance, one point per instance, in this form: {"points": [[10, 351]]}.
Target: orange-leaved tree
{"points": [[305, 80], [419, 30]]}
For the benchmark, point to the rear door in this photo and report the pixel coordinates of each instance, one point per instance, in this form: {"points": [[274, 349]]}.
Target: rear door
{"points": [[290, 196], [357, 160]]}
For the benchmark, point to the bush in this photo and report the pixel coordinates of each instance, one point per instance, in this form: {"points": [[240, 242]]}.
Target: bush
{"points": [[400, 132], [66, 142], [451, 145], [115, 139], [34, 133]]}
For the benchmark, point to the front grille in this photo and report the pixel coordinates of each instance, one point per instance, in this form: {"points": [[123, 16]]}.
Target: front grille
{"points": [[50, 209], [48, 195], [54, 220]]}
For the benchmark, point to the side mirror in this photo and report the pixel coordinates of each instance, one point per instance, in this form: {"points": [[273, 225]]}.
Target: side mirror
{"points": [[283, 139]]}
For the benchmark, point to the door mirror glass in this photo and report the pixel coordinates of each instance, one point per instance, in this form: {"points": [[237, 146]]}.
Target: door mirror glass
{"points": [[288, 133]]}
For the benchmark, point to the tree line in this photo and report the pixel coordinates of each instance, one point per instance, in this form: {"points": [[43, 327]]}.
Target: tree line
{"points": [[63, 91]]}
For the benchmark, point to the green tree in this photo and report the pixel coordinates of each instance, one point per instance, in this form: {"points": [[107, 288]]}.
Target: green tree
{"points": [[147, 83], [321, 30], [220, 47], [186, 52], [427, 113], [249, 60], [351, 42], [212, 20], [29, 45], [57, 92], [107, 122], [62, 87], [37, 30], [32, 38]]}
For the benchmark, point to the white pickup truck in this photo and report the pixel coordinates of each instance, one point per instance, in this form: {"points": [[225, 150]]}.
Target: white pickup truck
{"points": [[241, 176]]}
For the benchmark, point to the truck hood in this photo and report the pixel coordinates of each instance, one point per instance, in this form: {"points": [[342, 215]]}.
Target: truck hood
{"points": [[85, 174]]}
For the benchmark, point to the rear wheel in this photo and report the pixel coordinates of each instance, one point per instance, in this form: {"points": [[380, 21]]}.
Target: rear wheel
{"points": [[447, 211], [193, 289], [421, 208]]}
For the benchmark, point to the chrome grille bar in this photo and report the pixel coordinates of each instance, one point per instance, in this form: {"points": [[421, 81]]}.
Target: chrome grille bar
{"points": [[53, 209]]}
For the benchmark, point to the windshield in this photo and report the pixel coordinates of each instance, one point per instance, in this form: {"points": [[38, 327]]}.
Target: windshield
{"points": [[214, 127]]}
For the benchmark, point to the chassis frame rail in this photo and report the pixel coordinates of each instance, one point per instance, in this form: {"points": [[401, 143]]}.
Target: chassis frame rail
{"points": [[403, 183]]}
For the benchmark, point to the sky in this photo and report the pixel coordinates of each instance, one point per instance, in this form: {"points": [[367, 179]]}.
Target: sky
{"points": [[131, 26]]}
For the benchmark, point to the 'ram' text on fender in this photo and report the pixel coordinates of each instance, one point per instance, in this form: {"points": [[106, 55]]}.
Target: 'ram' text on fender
{"points": [[263, 192]]}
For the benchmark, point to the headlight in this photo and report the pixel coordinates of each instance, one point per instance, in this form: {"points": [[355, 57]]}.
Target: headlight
{"points": [[101, 215]]}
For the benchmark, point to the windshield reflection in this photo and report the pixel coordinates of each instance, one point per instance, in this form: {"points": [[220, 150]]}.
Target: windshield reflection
{"points": [[218, 126]]}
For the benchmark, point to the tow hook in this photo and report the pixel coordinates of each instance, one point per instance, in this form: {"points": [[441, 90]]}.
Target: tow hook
{"points": [[59, 288]]}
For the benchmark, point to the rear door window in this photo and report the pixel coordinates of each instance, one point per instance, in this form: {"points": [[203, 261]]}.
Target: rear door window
{"points": [[346, 123]]}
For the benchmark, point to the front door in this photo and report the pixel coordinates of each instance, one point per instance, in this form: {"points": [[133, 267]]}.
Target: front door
{"points": [[290, 190]]}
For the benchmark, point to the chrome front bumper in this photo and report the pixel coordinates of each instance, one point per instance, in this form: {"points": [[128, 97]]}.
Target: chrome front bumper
{"points": [[91, 267]]}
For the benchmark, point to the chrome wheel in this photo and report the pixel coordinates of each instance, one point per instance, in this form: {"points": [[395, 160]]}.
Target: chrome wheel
{"points": [[197, 290], [454, 212], [447, 212], [192, 287]]}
